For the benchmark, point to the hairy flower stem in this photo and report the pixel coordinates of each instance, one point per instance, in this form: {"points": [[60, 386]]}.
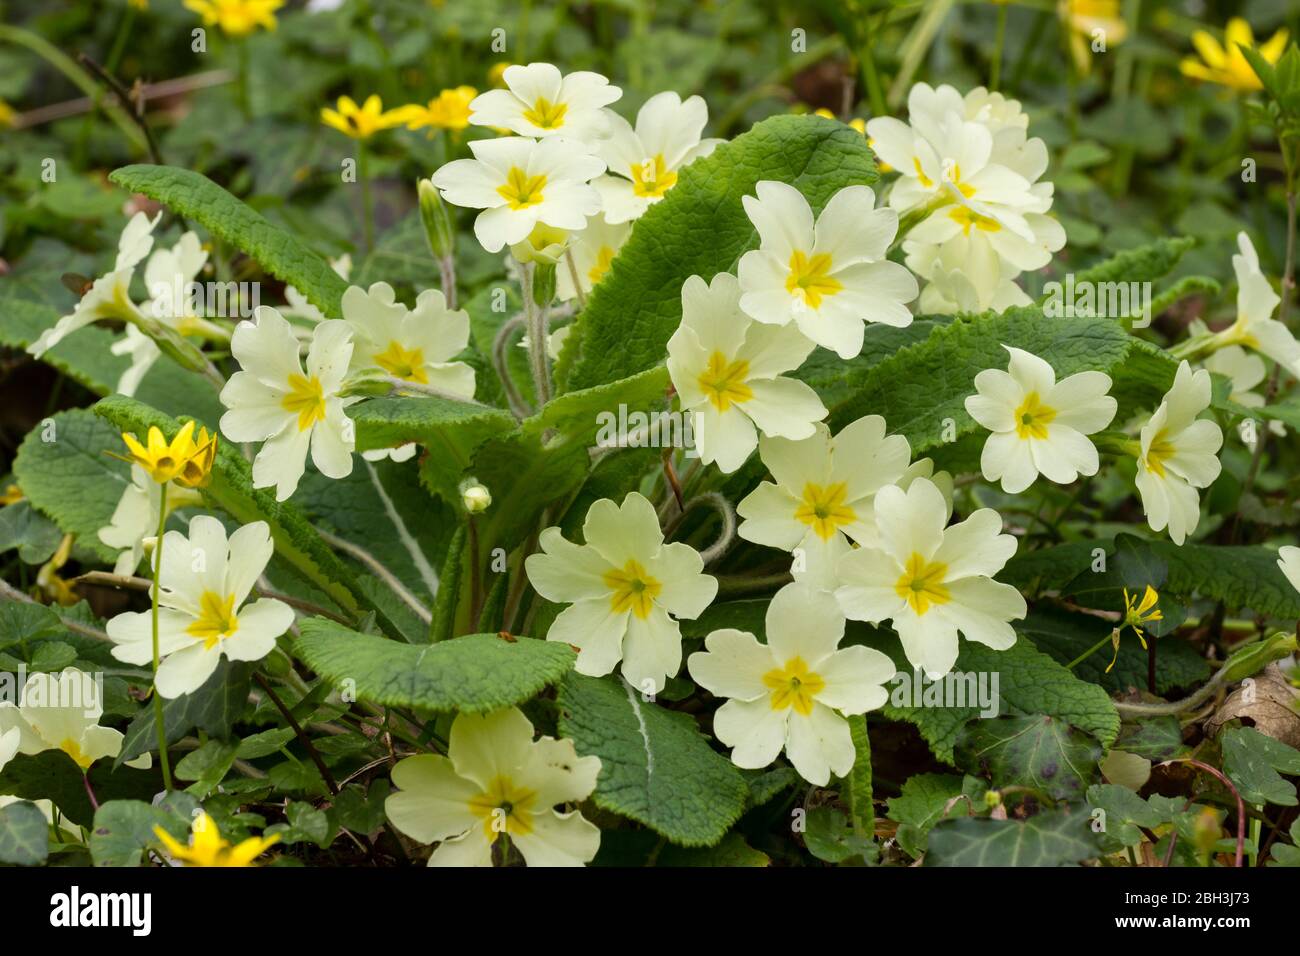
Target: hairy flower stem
{"points": [[573, 274], [159, 725], [535, 320]]}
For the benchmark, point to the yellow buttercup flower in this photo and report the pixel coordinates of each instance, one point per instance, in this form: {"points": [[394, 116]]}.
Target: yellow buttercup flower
{"points": [[208, 848], [360, 122], [183, 460], [1227, 65], [448, 110], [497, 72], [11, 495], [236, 18], [1090, 21]]}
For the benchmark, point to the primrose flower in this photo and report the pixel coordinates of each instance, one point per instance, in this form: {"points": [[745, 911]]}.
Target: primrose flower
{"points": [[1288, 559], [593, 250], [932, 582], [520, 182], [828, 276], [790, 693], [625, 589], [538, 101], [414, 345], [184, 460], [207, 847], [644, 162], [448, 110], [136, 517], [965, 274], [496, 781], [727, 372], [1226, 65], [203, 584], [60, 712], [109, 297], [1254, 327], [236, 18], [1039, 425], [361, 122], [271, 400]]}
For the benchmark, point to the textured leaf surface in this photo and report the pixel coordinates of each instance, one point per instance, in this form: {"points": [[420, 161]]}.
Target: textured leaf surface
{"points": [[1035, 751], [1255, 763], [476, 674], [125, 828], [53, 776], [700, 228], [927, 798], [1125, 814], [213, 709], [1048, 839], [24, 835], [282, 254], [656, 768]]}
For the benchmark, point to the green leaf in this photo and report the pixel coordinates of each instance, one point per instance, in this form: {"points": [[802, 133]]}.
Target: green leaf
{"points": [[524, 476], [1255, 762], [124, 829], [24, 835], [1048, 839], [265, 743], [700, 228], [51, 775], [23, 527], [830, 837], [656, 767], [475, 674], [920, 387], [1142, 264], [927, 798], [213, 709], [856, 791], [206, 766], [1037, 751], [581, 416], [64, 471], [1155, 738], [1125, 813], [282, 254], [732, 851]]}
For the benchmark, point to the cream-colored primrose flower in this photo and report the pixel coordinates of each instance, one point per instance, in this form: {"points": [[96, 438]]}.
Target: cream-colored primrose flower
{"points": [[1255, 328], [204, 582], [60, 712], [828, 277], [1177, 455], [932, 582], [727, 369], [625, 589], [1039, 425], [538, 101], [272, 400], [1288, 559], [593, 250], [825, 489], [136, 517], [644, 162], [1244, 370], [965, 274], [792, 692], [495, 782], [110, 295], [520, 182], [415, 345], [1226, 64]]}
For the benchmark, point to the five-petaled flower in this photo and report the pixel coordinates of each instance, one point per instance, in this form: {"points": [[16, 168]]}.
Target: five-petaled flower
{"points": [[361, 122], [236, 18], [185, 460], [538, 101], [207, 847], [1224, 63]]}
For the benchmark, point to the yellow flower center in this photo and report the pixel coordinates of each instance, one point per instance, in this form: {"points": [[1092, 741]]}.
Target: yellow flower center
{"points": [[521, 190], [653, 177], [603, 260], [632, 589], [546, 115], [306, 399], [810, 277], [921, 583], [504, 807], [73, 749], [1161, 450], [794, 685], [967, 219], [824, 509], [403, 363], [216, 620], [724, 382], [1033, 417]]}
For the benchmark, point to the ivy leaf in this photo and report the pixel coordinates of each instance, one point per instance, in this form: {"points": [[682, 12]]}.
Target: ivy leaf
{"points": [[924, 801], [1040, 752], [1048, 839], [1124, 814], [282, 254], [23, 527], [700, 228], [1255, 762], [656, 767], [474, 674], [24, 835], [52, 775], [124, 829], [831, 837], [213, 708]]}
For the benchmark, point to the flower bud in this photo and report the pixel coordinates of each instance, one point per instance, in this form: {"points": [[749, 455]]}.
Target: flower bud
{"points": [[437, 220], [474, 496]]}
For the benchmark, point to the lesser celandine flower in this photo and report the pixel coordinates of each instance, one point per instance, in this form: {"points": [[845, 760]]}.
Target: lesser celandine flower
{"points": [[592, 251], [727, 372], [625, 589], [207, 847], [186, 460], [204, 581], [109, 297], [236, 18], [1138, 610], [497, 782], [1226, 65], [448, 110], [790, 693], [932, 582], [520, 182], [1039, 425], [1177, 454], [1088, 22], [644, 162], [360, 122], [828, 277], [273, 400], [60, 712], [539, 101]]}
